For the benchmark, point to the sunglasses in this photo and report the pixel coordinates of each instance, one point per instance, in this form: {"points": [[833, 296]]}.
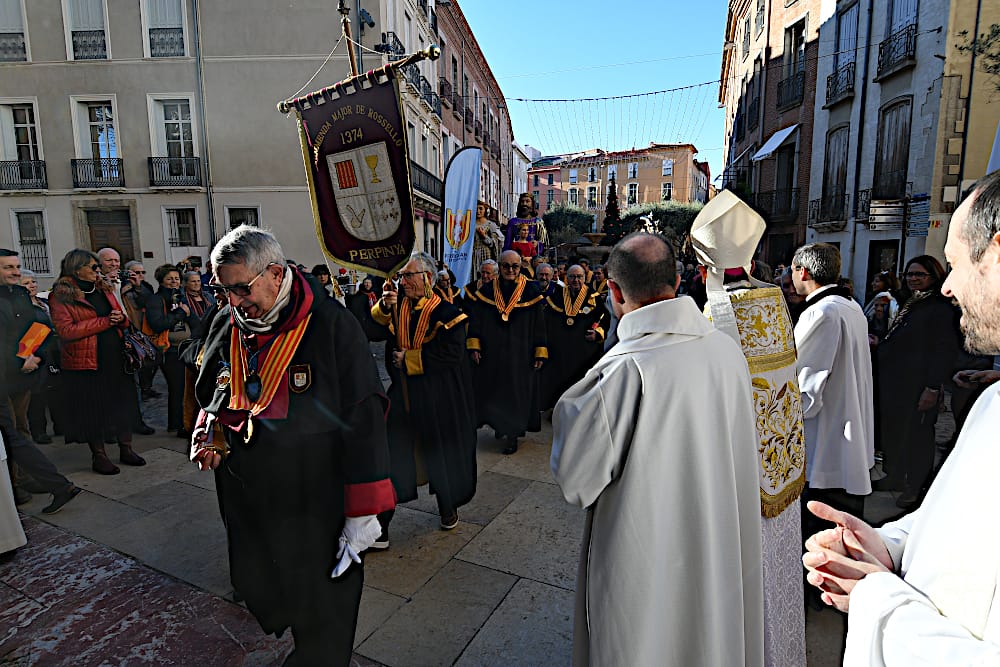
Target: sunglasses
{"points": [[242, 290], [505, 265], [95, 267]]}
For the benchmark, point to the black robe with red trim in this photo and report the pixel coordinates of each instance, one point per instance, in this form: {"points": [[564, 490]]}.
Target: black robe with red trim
{"points": [[571, 355], [432, 413], [285, 494], [508, 388]]}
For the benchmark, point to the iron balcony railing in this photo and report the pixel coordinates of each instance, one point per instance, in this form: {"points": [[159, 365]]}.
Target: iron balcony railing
{"points": [[107, 172], [469, 118], [778, 205], [862, 205], [840, 84], [89, 45], [791, 90], [12, 47], [425, 182], [23, 175], [457, 105], [166, 42], [445, 91], [899, 49], [428, 94], [175, 172], [391, 46], [412, 75], [753, 114], [890, 185], [479, 128], [735, 178], [832, 207]]}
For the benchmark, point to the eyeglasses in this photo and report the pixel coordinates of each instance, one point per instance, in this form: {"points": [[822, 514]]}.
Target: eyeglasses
{"points": [[505, 265], [138, 273], [239, 290], [404, 275], [916, 274]]}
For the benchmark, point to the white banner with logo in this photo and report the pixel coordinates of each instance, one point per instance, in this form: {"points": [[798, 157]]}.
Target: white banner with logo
{"points": [[461, 194]]}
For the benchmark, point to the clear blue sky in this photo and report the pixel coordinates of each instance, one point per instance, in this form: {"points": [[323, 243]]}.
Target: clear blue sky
{"points": [[587, 49]]}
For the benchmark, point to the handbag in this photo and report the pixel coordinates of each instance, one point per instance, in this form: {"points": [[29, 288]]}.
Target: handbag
{"points": [[138, 350]]}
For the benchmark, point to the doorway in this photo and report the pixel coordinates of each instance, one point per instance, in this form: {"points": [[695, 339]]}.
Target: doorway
{"points": [[882, 256], [111, 228]]}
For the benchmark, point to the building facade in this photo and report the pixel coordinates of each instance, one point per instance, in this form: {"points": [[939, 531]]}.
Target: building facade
{"points": [[768, 88], [130, 123], [876, 132]]}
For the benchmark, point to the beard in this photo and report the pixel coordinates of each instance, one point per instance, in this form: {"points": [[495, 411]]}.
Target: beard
{"points": [[523, 210], [981, 322]]}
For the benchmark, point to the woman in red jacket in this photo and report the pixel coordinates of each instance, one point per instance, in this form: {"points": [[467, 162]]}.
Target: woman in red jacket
{"points": [[87, 317]]}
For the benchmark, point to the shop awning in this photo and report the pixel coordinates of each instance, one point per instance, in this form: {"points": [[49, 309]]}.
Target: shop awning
{"points": [[774, 142]]}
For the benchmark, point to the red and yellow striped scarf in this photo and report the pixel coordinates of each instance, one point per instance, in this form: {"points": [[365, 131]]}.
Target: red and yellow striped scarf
{"points": [[271, 374], [423, 323]]}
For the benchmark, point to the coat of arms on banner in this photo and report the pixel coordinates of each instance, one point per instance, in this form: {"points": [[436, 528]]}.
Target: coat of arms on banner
{"points": [[365, 192], [457, 228]]}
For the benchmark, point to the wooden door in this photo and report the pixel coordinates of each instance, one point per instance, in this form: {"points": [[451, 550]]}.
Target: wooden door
{"points": [[111, 228]]}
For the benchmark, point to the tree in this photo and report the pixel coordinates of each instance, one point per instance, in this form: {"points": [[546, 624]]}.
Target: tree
{"points": [[613, 229], [565, 223]]}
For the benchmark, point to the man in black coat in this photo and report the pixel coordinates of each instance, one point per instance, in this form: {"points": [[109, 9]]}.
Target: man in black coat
{"points": [[16, 316]]}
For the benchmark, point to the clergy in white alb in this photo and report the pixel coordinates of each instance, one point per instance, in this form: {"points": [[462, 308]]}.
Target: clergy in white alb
{"points": [[923, 590], [657, 441], [724, 236]]}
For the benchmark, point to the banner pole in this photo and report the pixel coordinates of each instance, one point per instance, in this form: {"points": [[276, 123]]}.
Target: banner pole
{"points": [[345, 27]]}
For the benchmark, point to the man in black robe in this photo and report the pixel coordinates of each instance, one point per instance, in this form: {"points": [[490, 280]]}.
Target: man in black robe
{"points": [[545, 277], [507, 346], [575, 322], [488, 271], [431, 414], [302, 469]]}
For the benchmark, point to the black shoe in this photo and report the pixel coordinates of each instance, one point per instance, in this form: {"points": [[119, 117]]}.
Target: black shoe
{"points": [[61, 498], [21, 496], [144, 429], [908, 500], [42, 439], [449, 522], [511, 447]]}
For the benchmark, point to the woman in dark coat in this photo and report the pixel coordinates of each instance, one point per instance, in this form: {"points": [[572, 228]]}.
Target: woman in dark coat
{"points": [[915, 359], [168, 311], [87, 317]]}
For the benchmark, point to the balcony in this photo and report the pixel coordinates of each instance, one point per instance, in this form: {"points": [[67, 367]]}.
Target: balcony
{"points": [[840, 85], [778, 205], [791, 91], [445, 91], [897, 52], [177, 172], [739, 126], [98, 173], [469, 118], [736, 178], [753, 114], [166, 42], [89, 45], [478, 125], [423, 6], [12, 47], [23, 175], [758, 22], [428, 95], [486, 139], [890, 185], [412, 75], [830, 207], [425, 182], [495, 149], [391, 46], [457, 105]]}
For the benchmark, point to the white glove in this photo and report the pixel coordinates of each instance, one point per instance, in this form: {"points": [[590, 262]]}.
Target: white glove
{"points": [[360, 532]]}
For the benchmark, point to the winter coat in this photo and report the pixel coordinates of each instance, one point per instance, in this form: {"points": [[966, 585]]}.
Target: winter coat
{"points": [[77, 323]]}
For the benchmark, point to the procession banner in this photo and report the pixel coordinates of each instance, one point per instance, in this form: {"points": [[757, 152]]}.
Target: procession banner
{"points": [[355, 154], [461, 195]]}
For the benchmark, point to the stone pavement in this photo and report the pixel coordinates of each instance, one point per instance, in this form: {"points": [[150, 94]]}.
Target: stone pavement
{"points": [[134, 571]]}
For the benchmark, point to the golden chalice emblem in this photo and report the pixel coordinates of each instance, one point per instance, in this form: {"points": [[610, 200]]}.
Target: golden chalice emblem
{"points": [[372, 162]]}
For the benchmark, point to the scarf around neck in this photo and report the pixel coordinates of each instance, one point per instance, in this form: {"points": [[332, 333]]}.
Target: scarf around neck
{"points": [[266, 322]]}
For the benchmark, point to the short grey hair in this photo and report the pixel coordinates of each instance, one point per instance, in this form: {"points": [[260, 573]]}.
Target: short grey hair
{"points": [[822, 260], [255, 247], [490, 262], [27, 273], [545, 265], [188, 274], [131, 264], [426, 262]]}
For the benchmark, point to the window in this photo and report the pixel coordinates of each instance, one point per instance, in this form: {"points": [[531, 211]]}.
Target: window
{"points": [[164, 20], [795, 49], [454, 70], [746, 38], [242, 215], [18, 133], [183, 230], [100, 131], [445, 150], [892, 157], [633, 170], [534, 196], [98, 163], [175, 136], [833, 205], [847, 37], [85, 24], [13, 46], [633, 194], [411, 134], [551, 179], [574, 196], [549, 198], [534, 180], [612, 171], [902, 13], [668, 167], [424, 157], [572, 176], [32, 241], [592, 175], [592, 197], [666, 191], [759, 20]]}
